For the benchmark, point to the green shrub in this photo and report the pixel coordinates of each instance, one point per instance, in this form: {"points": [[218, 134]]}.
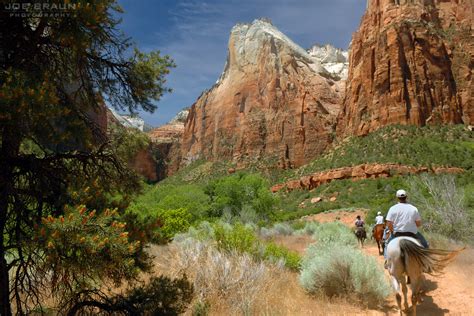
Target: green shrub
{"points": [[236, 238], [306, 228], [340, 270], [273, 252], [169, 197], [442, 206], [174, 221], [236, 191], [242, 239], [334, 233]]}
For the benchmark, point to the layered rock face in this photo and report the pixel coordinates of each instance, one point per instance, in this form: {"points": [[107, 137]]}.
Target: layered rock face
{"points": [[273, 102], [166, 145], [359, 172], [405, 66]]}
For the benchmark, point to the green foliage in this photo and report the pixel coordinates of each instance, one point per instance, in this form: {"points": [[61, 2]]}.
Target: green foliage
{"points": [[243, 239], [334, 233], [127, 142], [332, 266], [342, 271], [83, 249], [168, 197], [54, 144], [235, 192], [409, 145], [245, 197], [274, 252], [174, 221], [236, 238], [442, 205]]}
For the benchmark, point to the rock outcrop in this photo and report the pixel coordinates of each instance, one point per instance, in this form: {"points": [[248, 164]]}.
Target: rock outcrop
{"points": [[273, 103], [410, 63], [334, 60], [359, 172], [166, 145]]}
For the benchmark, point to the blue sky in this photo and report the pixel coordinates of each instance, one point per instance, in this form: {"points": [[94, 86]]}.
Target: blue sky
{"points": [[195, 34]]}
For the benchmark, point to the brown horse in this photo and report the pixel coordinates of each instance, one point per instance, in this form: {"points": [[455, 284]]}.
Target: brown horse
{"points": [[361, 235], [377, 234]]}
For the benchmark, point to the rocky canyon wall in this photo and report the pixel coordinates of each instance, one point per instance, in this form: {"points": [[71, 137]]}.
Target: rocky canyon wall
{"points": [[410, 63]]}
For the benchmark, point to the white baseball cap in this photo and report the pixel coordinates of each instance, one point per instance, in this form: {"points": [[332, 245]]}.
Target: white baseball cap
{"points": [[379, 213], [401, 193]]}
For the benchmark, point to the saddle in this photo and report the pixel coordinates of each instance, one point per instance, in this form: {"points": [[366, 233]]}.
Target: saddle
{"points": [[406, 234]]}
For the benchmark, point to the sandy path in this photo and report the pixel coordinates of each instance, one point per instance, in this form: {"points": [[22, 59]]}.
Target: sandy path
{"points": [[449, 294]]}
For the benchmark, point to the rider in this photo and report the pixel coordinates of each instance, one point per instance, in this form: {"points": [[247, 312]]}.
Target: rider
{"points": [[378, 221], [403, 219], [379, 218], [359, 222]]}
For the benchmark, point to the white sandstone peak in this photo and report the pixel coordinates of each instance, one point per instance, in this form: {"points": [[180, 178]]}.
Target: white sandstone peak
{"points": [[248, 41], [334, 60]]}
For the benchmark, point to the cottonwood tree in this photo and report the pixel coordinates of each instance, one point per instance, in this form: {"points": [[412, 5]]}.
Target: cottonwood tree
{"points": [[55, 74]]}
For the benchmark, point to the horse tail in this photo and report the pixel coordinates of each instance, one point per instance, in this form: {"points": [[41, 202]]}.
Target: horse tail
{"points": [[432, 261]]}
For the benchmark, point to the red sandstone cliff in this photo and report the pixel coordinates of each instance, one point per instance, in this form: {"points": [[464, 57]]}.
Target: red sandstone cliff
{"points": [[273, 101], [411, 63], [166, 145]]}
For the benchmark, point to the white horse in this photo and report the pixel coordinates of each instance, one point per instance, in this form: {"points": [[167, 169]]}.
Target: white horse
{"points": [[408, 258]]}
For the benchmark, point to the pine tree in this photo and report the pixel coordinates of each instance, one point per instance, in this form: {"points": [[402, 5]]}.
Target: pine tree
{"points": [[56, 73]]}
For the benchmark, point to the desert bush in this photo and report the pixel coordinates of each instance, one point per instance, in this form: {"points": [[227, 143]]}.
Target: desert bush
{"points": [[243, 239], [334, 233], [309, 228], [283, 229], [340, 270], [233, 277], [441, 204]]}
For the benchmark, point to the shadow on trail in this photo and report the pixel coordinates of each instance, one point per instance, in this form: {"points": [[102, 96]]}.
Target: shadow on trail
{"points": [[427, 307]]}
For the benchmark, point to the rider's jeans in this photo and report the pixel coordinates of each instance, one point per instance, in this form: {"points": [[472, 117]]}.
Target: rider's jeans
{"points": [[419, 236]]}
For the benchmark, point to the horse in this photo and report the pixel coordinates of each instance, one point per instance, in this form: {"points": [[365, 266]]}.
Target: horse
{"points": [[361, 235], [406, 257], [377, 234]]}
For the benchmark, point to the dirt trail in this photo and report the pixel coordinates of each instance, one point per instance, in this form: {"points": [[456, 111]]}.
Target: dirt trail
{"points": [[449, 294]]}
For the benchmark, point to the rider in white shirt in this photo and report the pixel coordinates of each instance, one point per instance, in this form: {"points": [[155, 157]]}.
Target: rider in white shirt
{"points": [[403, 219], [379, 219]]}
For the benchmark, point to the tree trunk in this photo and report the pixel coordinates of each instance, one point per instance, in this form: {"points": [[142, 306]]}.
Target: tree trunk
{"points": [[9, 149], [5, 308]]}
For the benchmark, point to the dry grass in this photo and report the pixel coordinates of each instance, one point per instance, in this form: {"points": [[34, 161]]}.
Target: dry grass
{"points": [[234, 284]]}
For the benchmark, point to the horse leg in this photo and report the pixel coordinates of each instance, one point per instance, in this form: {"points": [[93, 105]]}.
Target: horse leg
{"points": [[403, 281], [414, 296], [415, 292], [399, 302]]}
